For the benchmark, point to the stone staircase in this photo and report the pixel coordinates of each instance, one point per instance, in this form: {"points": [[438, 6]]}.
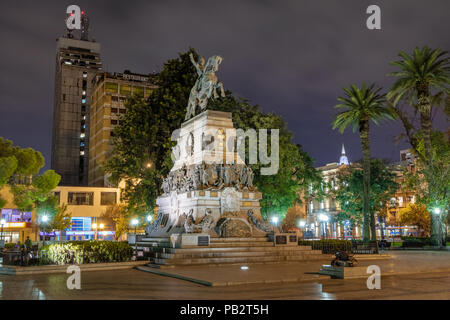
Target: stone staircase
{"points": [[224, 251]]}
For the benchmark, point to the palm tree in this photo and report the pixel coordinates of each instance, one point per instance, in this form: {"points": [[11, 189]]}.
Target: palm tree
{"points": [[425, 71], [359, 107]]}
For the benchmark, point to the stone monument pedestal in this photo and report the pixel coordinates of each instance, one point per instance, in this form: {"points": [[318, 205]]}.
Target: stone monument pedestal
{"points": [[209, 189]]}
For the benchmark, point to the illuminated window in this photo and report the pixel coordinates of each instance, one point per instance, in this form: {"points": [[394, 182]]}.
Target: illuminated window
{"points": [[125, 90], [108, 198], [80, 198], [138, 91], [111, 87]]}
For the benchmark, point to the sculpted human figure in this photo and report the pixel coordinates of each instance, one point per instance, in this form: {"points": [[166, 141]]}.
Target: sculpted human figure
{"points": [[206, 84], [227, 175], [250, 176]]}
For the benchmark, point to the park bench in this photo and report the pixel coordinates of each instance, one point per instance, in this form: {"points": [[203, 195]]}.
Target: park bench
{"points": [[369, 248]]}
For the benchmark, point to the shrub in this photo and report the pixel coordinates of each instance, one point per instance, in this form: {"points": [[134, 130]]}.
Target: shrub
{"points": [[85, 252], [10, 245], [416, 242]]}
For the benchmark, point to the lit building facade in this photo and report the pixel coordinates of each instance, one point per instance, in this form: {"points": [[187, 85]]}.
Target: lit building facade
{"points": [[17, 225], [87, 204], [321, 221], [77, 64], [109, 94]]}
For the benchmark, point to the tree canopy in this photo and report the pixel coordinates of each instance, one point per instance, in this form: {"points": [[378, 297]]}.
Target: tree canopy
{"points": [[349, 193], [19, 168]]}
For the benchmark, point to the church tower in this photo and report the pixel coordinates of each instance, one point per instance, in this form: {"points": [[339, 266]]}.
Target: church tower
{"points": [[343, 159]]}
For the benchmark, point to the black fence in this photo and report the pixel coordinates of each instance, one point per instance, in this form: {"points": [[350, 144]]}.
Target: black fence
{"points": [[332, 246]]}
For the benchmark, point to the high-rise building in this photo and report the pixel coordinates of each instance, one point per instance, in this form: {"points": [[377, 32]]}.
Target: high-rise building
{"points": [[77, 64], [108, 96]]}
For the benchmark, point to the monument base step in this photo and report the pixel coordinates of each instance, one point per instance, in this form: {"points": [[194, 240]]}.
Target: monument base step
{"points": [[225, 251]]}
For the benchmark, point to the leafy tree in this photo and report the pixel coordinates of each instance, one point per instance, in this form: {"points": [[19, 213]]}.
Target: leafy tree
{"points": [[116, 216], [422, 80], [293, 215], [435, 193], [62, 220], [17, 166], [350, 192], [58, 216], [416, 214], [142, 142], [296, 171], [359, 107]]}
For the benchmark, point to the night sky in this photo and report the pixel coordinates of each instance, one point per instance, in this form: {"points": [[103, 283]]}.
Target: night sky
{"points": [[289, 57]]}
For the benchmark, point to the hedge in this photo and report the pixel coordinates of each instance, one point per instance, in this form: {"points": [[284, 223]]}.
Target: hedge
{"points": [[85, 252], [328, 245], [416, 242]]}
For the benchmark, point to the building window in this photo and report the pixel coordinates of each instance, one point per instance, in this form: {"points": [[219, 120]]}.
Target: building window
{"points": [[113, 121], [125, 90], [122, 111], [111, 87], [81, 198], [108, 198], [14, 215], [114, 110], [81, 224], [57, 196], [138, 91]]}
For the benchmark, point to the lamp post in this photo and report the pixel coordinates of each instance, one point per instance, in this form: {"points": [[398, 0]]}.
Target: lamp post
{"points": [[274, 222], [437, 211], [324, 218], [94, 226], [44, 220], [102, 226], [135, 222], [2, 223], [302, 224]]}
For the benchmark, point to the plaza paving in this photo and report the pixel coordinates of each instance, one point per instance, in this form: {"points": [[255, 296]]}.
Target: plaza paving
{"points": [[134, 284]]}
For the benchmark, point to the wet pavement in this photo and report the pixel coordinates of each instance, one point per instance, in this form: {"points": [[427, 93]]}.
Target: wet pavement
{"points": [[134, 284]]}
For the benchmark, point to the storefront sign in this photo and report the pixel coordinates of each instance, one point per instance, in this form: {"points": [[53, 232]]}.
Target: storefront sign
{"points": [[15, 225]]}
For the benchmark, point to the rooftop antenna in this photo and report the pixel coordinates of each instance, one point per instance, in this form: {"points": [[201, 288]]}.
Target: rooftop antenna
{"points": [[84, 26]]}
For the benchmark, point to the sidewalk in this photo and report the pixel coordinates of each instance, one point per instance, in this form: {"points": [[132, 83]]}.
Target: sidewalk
{"points": [[227, 275]]}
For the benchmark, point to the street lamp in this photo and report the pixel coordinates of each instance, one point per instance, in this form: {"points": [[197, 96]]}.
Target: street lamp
{"points": [[302, 224], [324, 218], [274, 222], [2, 223], [44, 220], [437, 211], [135, 222], [149, 218]]}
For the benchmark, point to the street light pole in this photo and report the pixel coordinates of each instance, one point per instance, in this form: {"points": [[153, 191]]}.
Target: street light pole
{"points": [[2, 222], [437, 211], [135, 223]]}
